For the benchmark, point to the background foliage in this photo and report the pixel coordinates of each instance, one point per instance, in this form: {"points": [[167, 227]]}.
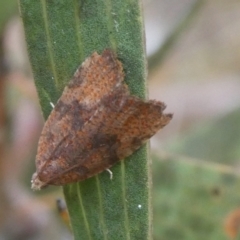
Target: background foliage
{"points": [[195, 159]]}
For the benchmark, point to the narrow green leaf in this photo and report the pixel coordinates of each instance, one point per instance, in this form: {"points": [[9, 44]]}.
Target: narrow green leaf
{"points": [[60, 34]]}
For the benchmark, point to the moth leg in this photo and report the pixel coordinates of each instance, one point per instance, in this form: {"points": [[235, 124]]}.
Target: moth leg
{"points": [[110, 173], [52, 105]]}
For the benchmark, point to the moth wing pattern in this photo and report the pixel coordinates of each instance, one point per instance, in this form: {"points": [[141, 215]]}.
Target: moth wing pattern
{"points": [[95, 123]]}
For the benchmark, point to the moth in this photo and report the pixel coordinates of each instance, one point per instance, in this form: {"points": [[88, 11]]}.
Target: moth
{"points": [[95, 124]]}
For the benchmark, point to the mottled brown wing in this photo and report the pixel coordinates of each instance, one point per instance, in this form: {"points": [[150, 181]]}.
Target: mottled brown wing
{"points": [[94, 124], [122, 126]]}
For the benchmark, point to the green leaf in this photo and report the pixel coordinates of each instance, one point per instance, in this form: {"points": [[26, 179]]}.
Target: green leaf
{"points": [[192, 201], [217, 140], [60, 35], [196, 183]]}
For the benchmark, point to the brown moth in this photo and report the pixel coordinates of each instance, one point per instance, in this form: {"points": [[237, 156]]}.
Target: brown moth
{"points": [[95, 124]]}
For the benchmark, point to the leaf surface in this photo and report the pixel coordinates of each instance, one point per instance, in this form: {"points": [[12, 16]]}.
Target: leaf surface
{"points": [[60, 35]]}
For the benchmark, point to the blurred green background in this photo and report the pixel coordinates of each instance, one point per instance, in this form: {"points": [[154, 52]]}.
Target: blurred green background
{"points": [[195, 158]]}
